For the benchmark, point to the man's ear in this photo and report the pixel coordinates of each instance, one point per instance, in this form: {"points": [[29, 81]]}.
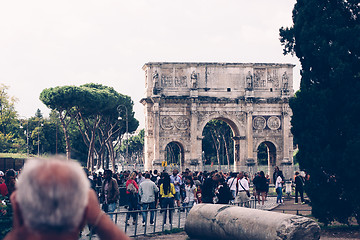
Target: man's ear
{"points": [[18, 220]]}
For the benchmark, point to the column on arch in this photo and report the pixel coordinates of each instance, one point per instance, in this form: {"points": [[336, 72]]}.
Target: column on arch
{"points": [[195, 140]]}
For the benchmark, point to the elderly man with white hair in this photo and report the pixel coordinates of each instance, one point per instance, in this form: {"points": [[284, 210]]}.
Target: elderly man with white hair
{"points": [[53, 200]]}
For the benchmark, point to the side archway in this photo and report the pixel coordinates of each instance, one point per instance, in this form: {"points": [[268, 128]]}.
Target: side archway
{"points": [[174, 155], [220, 144], [266, 156]]}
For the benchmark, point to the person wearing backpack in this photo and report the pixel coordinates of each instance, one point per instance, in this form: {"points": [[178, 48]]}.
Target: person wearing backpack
{"points": [[232, 184], [299, 188], [223, 192], [132, 190]]}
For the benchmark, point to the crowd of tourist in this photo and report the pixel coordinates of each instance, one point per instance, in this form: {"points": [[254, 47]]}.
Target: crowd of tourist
{"points": [[150, 189], [144, 191]]}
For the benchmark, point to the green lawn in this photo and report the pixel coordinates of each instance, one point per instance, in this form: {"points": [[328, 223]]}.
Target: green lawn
{"points": [[13, 155]]}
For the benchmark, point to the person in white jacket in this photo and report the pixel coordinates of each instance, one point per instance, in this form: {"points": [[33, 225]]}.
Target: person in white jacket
{"points": [[147, 192], [278, 186]]}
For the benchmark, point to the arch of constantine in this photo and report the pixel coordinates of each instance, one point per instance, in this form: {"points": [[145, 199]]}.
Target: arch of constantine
{"points": [[252, 98]]}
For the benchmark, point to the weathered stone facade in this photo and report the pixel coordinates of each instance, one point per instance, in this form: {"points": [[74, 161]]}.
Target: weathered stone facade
{"points": [[181, 98]]}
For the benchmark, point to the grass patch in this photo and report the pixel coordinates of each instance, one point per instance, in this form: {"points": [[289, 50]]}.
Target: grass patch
{"points": [[174, 230], [13, 155], [340, 227]]}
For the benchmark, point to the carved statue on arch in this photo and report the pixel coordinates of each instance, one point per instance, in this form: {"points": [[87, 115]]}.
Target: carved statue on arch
{"points": [[249, 81], [194, 78], [155, 82]]}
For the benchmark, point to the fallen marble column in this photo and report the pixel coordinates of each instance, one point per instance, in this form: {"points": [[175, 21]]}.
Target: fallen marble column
{"points": [[216, 221]]}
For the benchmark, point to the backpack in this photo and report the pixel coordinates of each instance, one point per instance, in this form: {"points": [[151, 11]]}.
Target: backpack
{"points": [[154, 178], [131, 188]]}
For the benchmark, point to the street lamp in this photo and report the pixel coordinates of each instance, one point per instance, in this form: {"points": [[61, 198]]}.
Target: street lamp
{"points": [[27, 135], [127, 127], [38, 143]]}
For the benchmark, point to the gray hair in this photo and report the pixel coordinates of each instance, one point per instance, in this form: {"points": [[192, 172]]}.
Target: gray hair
{"points": [[52, 194]]}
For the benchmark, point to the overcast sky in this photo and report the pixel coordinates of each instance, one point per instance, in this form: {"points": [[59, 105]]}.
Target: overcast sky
{"points": [[54, 43]]}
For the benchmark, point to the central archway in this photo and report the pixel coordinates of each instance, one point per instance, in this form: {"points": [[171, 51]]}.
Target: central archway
{"points": [[218, 144]]}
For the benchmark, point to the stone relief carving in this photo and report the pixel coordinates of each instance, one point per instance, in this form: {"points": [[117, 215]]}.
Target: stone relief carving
{"points": [[262, 132], [174, 133], [259, 78], [180, 81], [166, 80], [273, 123], [272, 77], [259, 123], [167, 123], [249, 81], [286, 111], [203, 115], [182, 123], [241, 116], [194, 79]]}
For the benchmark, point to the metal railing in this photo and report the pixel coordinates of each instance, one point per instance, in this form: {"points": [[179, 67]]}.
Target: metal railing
{"points": [[136, 228]]}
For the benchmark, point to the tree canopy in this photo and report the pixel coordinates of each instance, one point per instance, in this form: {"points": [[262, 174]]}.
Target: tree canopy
{"points": [[8, 121], [325, 36], [94, 108]]}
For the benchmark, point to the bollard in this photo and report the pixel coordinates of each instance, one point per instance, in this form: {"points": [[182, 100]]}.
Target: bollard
{"points": [[216, 221]]}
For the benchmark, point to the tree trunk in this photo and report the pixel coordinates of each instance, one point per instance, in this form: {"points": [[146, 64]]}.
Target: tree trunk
{"points": [[90, 159], [226, 151], [217, 147], [66, 135], [110, 148]]}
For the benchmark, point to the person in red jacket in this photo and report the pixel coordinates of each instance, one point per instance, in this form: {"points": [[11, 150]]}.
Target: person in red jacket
{"points": [[132, 192], [3, 188]]}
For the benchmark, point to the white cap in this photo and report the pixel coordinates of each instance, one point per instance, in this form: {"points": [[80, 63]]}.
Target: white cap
{"points": [[1, 173]]}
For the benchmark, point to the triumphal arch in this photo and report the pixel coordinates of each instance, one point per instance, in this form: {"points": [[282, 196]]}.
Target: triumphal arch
{"points": [[252, 98]]}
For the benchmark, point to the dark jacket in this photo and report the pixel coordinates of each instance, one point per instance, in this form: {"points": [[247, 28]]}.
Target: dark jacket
{"points": [[299, 182], [224, 194], [113, 191], [208, 190]]}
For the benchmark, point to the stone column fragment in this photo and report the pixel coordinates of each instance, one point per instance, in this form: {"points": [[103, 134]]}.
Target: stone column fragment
{"points": [[216, 221]]}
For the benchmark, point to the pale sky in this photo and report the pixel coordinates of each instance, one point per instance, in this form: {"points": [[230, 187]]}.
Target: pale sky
{"points": [[54, 43]]}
